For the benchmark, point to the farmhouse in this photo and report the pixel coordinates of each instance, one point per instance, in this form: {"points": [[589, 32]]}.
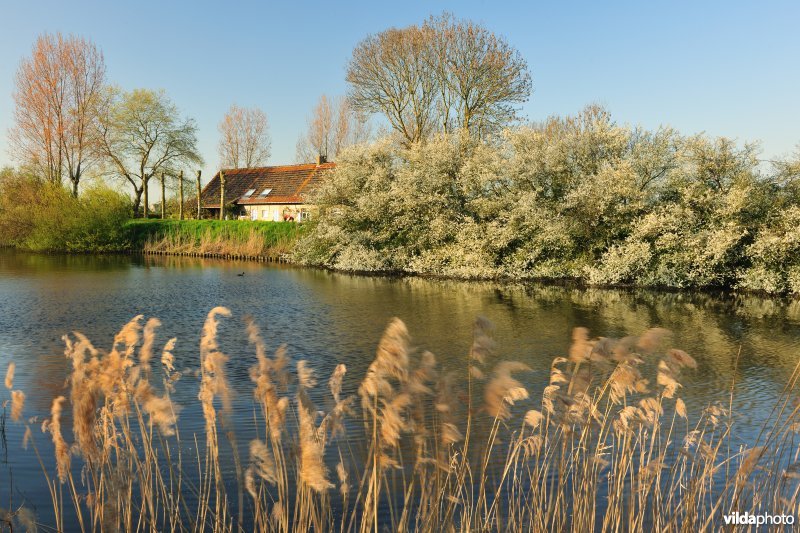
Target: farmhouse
{"points": [[265, 193]]}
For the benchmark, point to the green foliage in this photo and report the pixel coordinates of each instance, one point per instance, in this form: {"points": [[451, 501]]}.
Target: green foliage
{"points": [[99, 226], [40, 216], [577, 197], [143, 135]]}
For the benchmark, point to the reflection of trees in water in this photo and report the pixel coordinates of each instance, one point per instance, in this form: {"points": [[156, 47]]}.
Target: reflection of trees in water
{"points": [[332, 317], [712, 326], [24, 262]]}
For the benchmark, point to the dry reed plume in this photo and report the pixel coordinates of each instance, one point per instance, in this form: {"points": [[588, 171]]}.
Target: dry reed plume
{"points": [[608, 445], [10, 375], [17, 396]]}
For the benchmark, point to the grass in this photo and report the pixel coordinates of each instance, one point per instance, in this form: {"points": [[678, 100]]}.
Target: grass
{"points": [[608, 446], [213, 237]]}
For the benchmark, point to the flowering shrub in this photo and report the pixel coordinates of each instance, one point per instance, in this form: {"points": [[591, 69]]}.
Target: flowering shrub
{"points": [[577, 197]]}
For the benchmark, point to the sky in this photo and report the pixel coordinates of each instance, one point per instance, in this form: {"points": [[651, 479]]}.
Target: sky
{"points": [[723, 68]]}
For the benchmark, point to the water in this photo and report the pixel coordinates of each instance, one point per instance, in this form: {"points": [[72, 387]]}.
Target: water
{"points": [[328, 318]]}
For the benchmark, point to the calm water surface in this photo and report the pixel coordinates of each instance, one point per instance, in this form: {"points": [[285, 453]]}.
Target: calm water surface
{"points": [[329, 318]]}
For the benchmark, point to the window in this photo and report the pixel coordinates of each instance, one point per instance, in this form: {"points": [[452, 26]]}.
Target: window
{"points": [[264, 193], [249, 193]]}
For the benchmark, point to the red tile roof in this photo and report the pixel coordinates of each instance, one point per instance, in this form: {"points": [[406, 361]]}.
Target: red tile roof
{"points": [[289, 184]]}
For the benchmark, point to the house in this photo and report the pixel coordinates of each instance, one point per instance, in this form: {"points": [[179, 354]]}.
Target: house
{"points": [[266, 193]]}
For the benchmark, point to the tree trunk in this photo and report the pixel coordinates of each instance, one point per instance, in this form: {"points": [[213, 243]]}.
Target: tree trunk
{"points": [[137, 201], [221, 195], [163, 198], [146, 208], [180, 187], [199, 190], [75, 178]]}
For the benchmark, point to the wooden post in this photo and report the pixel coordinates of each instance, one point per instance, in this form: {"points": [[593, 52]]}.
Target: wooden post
{"points": [[146, 199], [180, 188], [199, 190], [221, 195], [163, 198]]}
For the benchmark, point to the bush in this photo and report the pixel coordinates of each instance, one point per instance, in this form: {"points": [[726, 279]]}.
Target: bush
{"points": [[39, 216], [577, 197], [99, 224]]}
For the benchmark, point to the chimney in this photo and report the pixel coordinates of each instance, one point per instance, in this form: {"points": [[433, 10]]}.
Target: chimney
{"points": [[321, 159]]}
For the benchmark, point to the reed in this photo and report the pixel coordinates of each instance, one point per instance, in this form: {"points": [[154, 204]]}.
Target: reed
{"points": [[608, 445], [17, 396]]}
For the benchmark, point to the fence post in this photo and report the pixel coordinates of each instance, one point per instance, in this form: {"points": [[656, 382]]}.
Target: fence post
{"points": [[221, 195], [146, 198], [180, 187], [199, 190], [163, 198]]}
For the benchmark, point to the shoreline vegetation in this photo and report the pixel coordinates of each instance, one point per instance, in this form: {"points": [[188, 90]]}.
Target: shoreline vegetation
{"points": [[38, 216], [609, 445], [234, 239], [577, 199]]}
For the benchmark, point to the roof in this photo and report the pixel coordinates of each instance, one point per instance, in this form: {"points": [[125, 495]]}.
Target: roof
{"points": [[288, 184]]}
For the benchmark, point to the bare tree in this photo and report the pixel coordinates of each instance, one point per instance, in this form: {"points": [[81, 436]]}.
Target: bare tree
{"points": [[443, 75], [57, 96], [391, 74], [244, 138], [481, 78], [142, 134], [333, 126]]}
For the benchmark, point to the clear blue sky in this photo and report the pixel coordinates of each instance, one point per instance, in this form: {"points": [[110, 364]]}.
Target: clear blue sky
{"points": [[726, 68]]}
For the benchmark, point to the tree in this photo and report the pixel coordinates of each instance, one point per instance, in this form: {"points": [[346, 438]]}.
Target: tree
{"points": [[446, 74], [143, 134], [333, 126], [389, 73], [479, 75], [244, 138], [58, 92], [788, 170]]}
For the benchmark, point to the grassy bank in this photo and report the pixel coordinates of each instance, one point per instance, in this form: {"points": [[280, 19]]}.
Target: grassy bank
{"points": [[211, 237], [608, 446]]}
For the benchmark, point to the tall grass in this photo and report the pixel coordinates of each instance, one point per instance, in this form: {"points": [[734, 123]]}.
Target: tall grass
{"points": [[609, 444], [213, 237]]}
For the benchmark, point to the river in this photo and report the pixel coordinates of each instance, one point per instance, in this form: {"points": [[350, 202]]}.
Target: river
{"points": [[740, 341]]}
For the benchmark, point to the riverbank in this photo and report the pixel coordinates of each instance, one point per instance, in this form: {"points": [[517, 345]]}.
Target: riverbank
{"points": [[229, 239]]}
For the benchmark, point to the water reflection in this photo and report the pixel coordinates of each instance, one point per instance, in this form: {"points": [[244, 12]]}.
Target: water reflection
{"points": [[331, 318]]}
